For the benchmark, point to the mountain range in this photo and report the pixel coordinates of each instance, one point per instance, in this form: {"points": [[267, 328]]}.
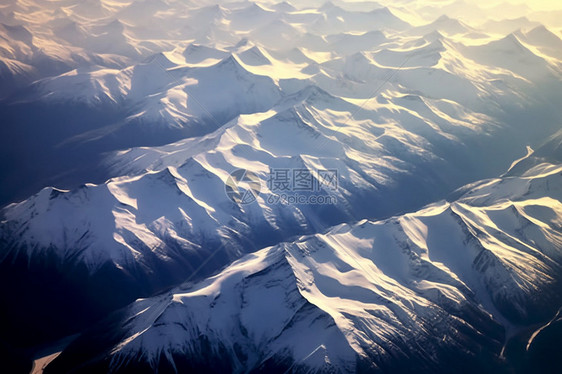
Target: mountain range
{"points": [[124, 125]]}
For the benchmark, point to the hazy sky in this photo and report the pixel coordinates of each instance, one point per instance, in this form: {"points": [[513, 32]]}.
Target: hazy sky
{"points": [[542, 4], [537, 10], [535, 4]]}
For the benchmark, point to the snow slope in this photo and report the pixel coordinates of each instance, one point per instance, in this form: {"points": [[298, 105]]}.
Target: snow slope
{"points": [[173, 198], [172, 69], [366, 296]]}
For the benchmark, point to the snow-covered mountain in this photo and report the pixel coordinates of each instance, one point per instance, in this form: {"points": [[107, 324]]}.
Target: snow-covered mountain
{"points": [[166, 211], [126, 126], [197, 66], [442, 288], [171, 201]]}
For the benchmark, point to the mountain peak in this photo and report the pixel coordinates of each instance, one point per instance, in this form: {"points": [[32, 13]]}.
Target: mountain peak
{"points": [[383, 11], [543, 35], [434, 37], [310, 94], [232, 62], [443, 19], [329, 5], [254, 56], [511, 40], [255, 7], [284, 7], [244, 42], [159, 59], [195, 53]]}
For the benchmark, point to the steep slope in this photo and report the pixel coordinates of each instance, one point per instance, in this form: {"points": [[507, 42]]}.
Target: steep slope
{"points": [[14, 75], [437, 289], [500, 53], [545, 40], [549, 152], [200, 54], [444, 24], [161, 75], [348, 43], [338, 19], [170, 211]]}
